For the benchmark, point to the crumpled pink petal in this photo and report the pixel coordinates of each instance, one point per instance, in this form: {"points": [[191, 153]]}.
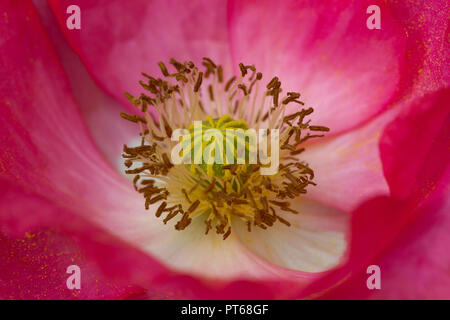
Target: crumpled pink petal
{"points": [[416, 264], [380, 221], [147, 32], [323, 50], [403, 157]]}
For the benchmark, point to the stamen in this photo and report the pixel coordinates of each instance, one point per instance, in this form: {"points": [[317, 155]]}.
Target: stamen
{"points": [[220, 193]]}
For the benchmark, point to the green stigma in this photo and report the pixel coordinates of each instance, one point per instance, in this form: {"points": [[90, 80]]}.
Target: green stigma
{"points": [[218, 142]]}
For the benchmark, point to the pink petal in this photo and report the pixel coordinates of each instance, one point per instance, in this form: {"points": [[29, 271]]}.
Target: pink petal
{"points": [[402, 155], [315, 241], [416, 221], [353, 160], [348, 167], [33, 265], [100, 111], [324, 50], [415, 266], [116, 51], [427, 59]]}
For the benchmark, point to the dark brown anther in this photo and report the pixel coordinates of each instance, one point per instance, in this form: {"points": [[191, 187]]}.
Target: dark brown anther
{"points": [[262, 226], [308, 111], [210, 62], [181, 77], [167, 128], [161, 208], [193, 207], [163, 68], [137, 170], [147, 76], [144, 85], [220, 74], [298, 151], [135, 101], [287, 147], [243, 69], [211, 186], [178, 65], [208, 226], [283, 221], [294, 95], [170, 216], [135, 180], [144, 106], [265, 204], [198, 83], [128, 163], [227, 234], [166, 160], [229, 83], [272, 83], [298, 133], [220, 229], [290, 133], [243, 88], [217, 214], [157, 198], [147, 99], [133, 118], [319, 128], [290, 117], [211, 93], [288, 209], [292, 98], [158, 138], [305, 169], [276, 93]]}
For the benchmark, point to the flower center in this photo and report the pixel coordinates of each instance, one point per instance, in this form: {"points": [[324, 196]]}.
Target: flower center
{"points": [[212, 140], [227, 169]]}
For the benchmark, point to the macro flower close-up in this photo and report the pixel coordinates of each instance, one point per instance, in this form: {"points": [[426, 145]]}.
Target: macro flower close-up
{"points": [[220, 149]]}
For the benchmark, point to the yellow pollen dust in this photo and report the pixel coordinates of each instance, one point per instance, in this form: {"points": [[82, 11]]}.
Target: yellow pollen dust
{"points": [[218, 194]]}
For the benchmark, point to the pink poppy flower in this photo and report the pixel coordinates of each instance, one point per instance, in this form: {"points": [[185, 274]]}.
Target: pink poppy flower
{"points": [[381, 175]]}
